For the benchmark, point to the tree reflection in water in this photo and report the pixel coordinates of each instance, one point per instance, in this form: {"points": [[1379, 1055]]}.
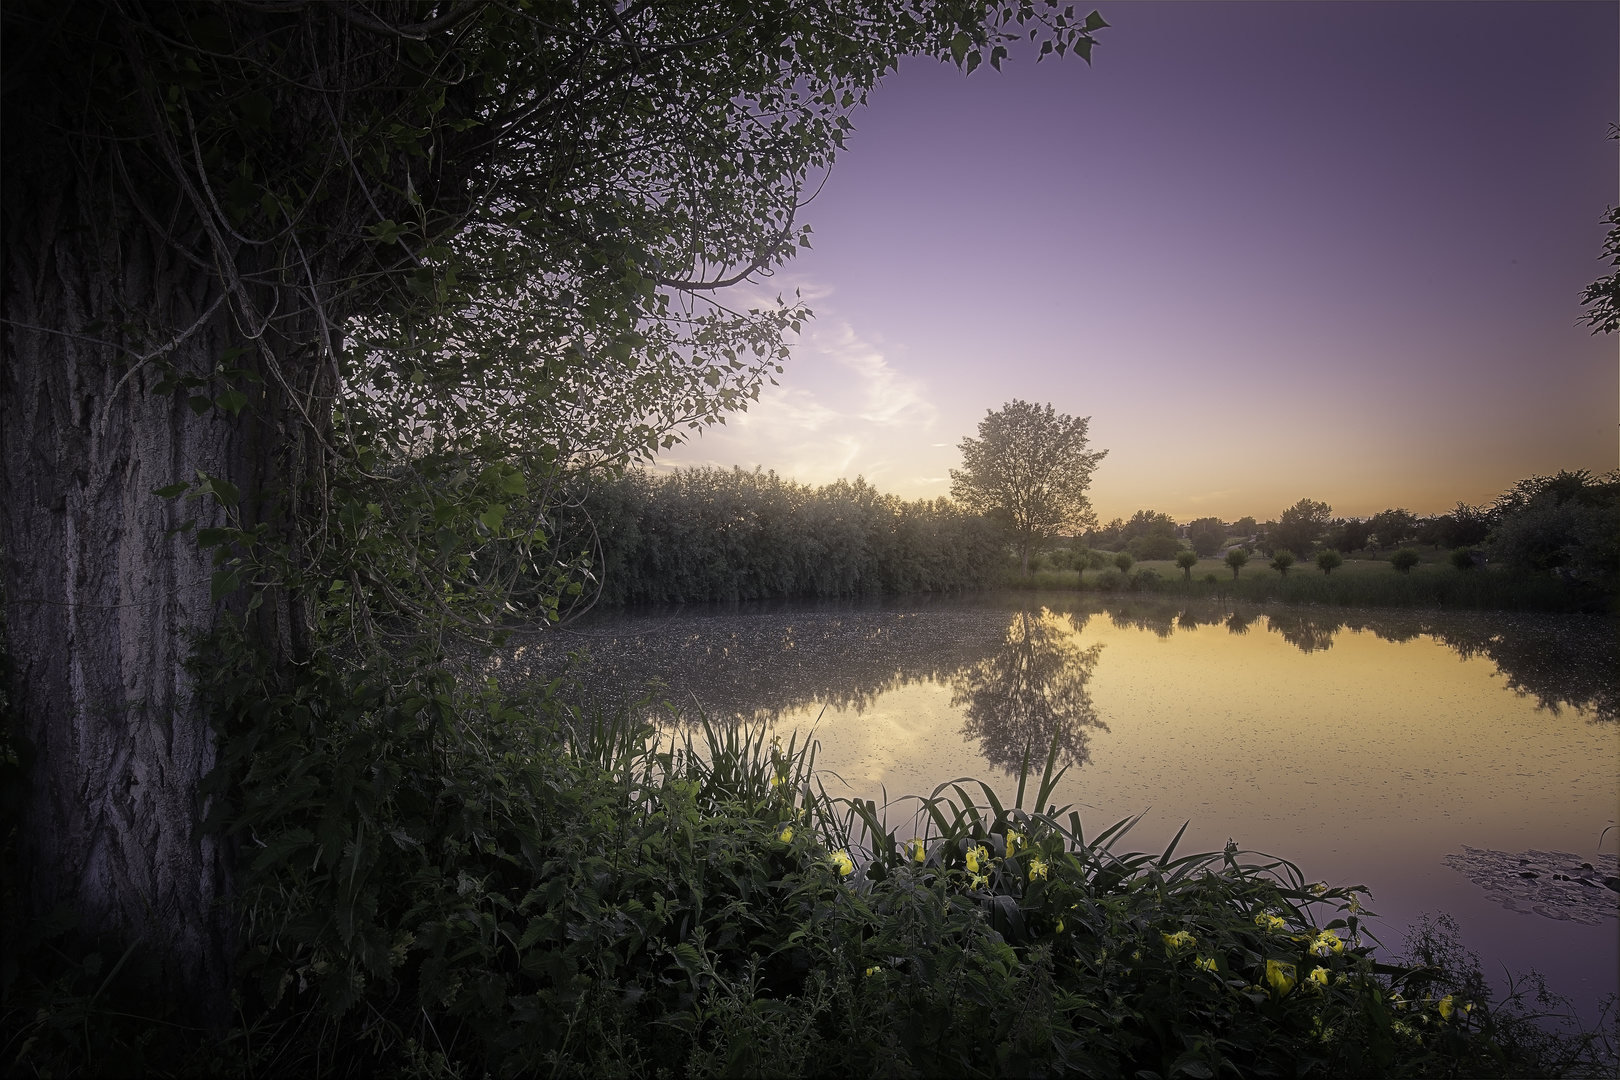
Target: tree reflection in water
{"points": [[1030, 688]]}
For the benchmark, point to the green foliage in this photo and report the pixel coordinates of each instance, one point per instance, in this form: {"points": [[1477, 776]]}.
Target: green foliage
{"points": [[1206, 535], [1568, 524], [1153, 547], [1236, 558], [1029, 469], [439, 879], [1187, 560], [1391, 527], [1463, 558], [1602, 298], [1328, 560], [1123, 561], [1404, 559], [708, 534], [1301, 526], [1282, 560]]}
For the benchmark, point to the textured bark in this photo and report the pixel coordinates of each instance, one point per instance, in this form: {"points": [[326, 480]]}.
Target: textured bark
{"points": [[102, 593]]}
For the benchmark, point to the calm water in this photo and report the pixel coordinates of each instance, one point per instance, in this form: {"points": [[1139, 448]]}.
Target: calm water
{"points": [[1422, 754]]}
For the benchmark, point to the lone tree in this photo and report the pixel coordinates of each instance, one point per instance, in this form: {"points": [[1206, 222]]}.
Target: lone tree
{"points": [[1282, 560], [1187, 560], [1236, 558], [308, 311], [1029, 469], [1328, 560], [1404, 559]]}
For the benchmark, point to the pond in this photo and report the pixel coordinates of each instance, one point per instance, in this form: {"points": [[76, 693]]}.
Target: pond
{"points": [[1437, 758]]}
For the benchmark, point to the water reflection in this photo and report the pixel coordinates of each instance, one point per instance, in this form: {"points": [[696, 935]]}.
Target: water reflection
{"points": [[1017, 668], [1030, 689]]}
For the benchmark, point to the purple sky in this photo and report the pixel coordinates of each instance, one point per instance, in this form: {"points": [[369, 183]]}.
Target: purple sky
{"points": [[1273, 250]]}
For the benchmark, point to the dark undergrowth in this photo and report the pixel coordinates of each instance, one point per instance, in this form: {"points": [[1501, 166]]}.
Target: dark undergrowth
{"points": [[438, 880]]}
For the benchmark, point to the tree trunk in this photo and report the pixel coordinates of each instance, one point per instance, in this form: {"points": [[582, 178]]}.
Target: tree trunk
{"points": [[105, 587]]}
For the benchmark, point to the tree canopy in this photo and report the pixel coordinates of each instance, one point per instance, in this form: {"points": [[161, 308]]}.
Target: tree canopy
{"points": [[1029, 468], [311, 308]]}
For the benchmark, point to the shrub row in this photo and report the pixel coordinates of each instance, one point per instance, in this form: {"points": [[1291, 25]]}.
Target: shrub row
{"points": [[708, 534]]}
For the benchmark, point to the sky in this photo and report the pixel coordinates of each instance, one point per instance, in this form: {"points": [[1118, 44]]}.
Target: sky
{"points": [[1274, 251]]}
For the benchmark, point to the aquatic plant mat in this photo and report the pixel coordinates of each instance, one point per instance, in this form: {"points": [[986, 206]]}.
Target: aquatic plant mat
{"points": [[1551, 884]]}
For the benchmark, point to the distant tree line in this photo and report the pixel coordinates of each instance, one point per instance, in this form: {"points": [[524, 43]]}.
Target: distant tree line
{"points": [[710, 534], [1567, 524]]}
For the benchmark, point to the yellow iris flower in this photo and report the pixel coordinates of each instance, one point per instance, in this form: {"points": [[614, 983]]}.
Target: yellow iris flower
{"points": [[918, 850], [1320, 976], [843, 863], [1205, 962], [1015, 840], [1447, 1006], [1327, 943], [1267, 921], [786, 835], [1281, 975], [1177, 941], [977, 856], [1037, 868]]}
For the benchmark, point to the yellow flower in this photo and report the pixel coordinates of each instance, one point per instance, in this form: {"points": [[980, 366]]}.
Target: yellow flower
{"points": [[1015, 840], [1320, 976], [1136, 954], [786, 835], [1205, 962], [1060, 924], [843, 863], [874, 969], [1327, 943], [977, 856], [1281, 975], [918, 850], [978, 881], [1037, 868], [1267, 921], [1177, 941], [1320, 888], [1355, 903], [1446, 1007]]}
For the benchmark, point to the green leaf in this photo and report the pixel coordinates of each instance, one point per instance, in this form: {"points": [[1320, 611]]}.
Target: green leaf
{"points": [[232, 401], [1094, 21], [493, 517], [214, 537], [200, 403], [224, 583], [169, 491]]}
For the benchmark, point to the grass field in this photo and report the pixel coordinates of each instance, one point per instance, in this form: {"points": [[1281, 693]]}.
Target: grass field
{"points": [[1364, 580]]}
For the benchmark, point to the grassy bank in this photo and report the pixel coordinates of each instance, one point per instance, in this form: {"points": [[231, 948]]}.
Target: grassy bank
{"points": [[440, 881], [1359, 583]]}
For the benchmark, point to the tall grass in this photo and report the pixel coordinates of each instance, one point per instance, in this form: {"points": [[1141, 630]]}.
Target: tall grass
{"points": [[438, 880], [1438, 587]]}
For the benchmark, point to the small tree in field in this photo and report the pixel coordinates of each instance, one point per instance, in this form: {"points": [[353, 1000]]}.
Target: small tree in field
{"points": [[1463, 558], [1282, 560], [1123, 560], [1187, 560], [1029, 468], [1236, 558], [1404, 559], [1329, 560]]}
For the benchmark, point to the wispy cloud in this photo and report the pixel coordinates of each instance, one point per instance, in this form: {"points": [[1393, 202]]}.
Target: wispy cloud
{"points": [[842, 409]]}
